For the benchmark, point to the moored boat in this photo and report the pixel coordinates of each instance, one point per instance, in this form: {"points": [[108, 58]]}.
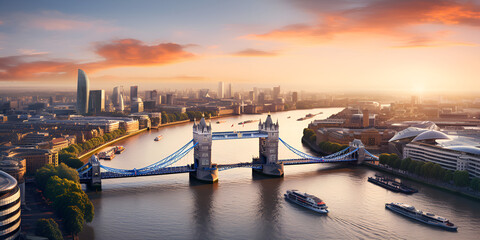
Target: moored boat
{"points": [[425, 217], [119, 149], [107, 153], [391, 184], [158, 138], [306, 200]]}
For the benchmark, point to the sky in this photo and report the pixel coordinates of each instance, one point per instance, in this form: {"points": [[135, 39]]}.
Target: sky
{"points": [[342, 45]]}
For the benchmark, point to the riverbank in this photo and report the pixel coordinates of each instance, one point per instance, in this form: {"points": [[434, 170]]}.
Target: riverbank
{"points": [[464, 191], [84, 157]]}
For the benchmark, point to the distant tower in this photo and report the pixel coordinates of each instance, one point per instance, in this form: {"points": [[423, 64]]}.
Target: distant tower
{"points": [[221, 90], [97, 101], [202, 154], [295, 97], [116, 96], [228, 94], [268, 149], [82, 92], [133, 93], [121, 106]]}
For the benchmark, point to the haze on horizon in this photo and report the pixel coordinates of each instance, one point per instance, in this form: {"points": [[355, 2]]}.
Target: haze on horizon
{"points": [[381, 45]]}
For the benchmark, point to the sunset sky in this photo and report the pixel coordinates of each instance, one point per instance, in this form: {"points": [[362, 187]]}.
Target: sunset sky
{"points": [[313, 45]]}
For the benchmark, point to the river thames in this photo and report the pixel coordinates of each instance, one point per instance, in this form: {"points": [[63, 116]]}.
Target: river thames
{"points": [[246, 206]]}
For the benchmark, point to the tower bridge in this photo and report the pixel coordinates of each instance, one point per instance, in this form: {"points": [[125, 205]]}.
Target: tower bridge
{"points": [[203, 169]]}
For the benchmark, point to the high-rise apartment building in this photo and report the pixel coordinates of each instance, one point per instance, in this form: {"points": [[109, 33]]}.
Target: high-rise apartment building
{"points": [[97, 101], [82, 92]]}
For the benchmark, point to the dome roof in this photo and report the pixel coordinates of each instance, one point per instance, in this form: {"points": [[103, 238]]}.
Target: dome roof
{"points": [[408, 133], [430, 135], [467, 149]]}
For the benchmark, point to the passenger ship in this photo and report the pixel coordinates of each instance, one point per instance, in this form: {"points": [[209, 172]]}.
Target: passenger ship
{"points": [[428, 218], [306, 200]]}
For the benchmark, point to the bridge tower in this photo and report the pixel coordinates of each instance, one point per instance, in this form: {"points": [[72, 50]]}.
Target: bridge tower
{"points": [[360, 154], [202, 154], [96, 182], [268, 149]]}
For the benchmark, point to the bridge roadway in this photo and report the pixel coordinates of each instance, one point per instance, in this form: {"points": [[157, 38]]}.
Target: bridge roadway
{"points": [[221, 167], [238, 135]]}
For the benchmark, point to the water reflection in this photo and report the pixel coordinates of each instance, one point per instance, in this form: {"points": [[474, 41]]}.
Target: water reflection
{"points": [[270, 202], [202, 209]]}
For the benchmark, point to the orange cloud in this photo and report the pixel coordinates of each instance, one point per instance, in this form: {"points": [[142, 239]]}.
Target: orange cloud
{"points": [[388, 17], [249, 52], [118, 53]]}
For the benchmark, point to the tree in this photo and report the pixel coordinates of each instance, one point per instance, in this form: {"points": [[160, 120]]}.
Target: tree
{"points": [[405, 163], [73, 163], [63, 171], [437, 171], [475, 184], [383, 158], [307, 132], [448, 176], [73, 220], [460, 178], [43, 174], [57, 186], [48, 228]]}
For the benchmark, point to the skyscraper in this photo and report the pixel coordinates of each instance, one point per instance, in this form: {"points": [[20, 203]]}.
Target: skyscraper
{"points": [[82, 92], [221, 90], [229, 91], [116, 96], [97, 101], [276, 92], [295, 97], [133, 93], [121, 106]]}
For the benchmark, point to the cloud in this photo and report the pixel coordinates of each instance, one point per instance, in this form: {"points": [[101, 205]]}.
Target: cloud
{"points": [[249, 52], [186, 78], [57, 21], [391, 18], [117, 53], [24, 51]]}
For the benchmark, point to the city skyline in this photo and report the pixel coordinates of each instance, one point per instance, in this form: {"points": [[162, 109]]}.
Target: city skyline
{"points": [[414, 46]]}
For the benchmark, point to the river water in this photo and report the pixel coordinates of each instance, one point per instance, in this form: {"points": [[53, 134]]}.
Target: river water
{"points": [[243, 205]]}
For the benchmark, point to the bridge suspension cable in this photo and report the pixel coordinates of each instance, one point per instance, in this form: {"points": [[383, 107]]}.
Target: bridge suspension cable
{"points": [[338, 155], [171, 159]]}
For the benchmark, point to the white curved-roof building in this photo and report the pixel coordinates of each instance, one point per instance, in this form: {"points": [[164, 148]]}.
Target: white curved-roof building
{"points": [[430, 135], [410, 132]]}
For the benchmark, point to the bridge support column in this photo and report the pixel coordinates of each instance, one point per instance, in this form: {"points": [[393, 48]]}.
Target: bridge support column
{"points": [[268, 150], [360, 154], [96, 181], [202, 153]]}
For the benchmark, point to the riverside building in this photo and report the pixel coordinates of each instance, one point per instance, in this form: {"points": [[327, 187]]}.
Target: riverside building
{"points": [[10, 210]]}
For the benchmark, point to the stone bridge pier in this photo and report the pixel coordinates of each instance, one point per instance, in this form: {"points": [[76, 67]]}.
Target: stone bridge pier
{"points": [[202, 153], [360, 154], [268, 149]]}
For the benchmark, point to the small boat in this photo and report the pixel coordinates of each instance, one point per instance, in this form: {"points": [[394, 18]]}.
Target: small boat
{"points": [[428, 218], [218, 122], [289, 117], [107, 153], [306, 200], [248, 121], [391, 184], [308, 116], [158, 138], [119, 149]]}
